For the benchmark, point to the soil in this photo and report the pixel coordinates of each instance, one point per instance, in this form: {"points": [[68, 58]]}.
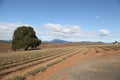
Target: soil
{"points": [[23, 71], [104, 65], [6, 47]]}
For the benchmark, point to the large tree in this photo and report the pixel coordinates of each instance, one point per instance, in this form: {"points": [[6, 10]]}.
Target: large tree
{"points": [[24, 37]]}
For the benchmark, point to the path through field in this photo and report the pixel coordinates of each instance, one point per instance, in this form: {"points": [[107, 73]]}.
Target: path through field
{"points": [[107, 68], [98, 66]]}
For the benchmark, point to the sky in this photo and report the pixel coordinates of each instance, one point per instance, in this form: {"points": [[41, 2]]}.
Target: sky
{"points": [[71, 20]]}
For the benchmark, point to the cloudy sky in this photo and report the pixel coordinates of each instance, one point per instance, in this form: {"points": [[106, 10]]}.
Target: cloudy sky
{"points": [[72, 20]]}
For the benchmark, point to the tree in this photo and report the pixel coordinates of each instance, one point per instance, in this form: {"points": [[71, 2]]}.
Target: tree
{"points": [[115, 42], [24, 38]]}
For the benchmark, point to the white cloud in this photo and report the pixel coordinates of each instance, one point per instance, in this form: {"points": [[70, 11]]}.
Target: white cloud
{"points": [[65, 31], [97, 16], [104, 32], [7, 29], [74, 33], [51, 31]]}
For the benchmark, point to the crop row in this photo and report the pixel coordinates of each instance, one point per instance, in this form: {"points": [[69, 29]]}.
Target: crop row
{"points": [[27, 56], [104, 48], [33, 63], [96, 49], [115, 47], [86, 52], [27, 61], [45, 66], [36, 60]]}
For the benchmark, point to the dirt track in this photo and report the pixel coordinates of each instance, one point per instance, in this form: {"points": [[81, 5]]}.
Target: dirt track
{"points": [[97, 66], [107, 68]]}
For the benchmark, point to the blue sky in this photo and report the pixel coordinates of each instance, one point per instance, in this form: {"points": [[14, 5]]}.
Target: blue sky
{"points": [[72, 20]]}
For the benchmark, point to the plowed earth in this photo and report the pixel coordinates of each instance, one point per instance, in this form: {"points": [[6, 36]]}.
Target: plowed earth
{"points": [[91, 62], [104, 65]]}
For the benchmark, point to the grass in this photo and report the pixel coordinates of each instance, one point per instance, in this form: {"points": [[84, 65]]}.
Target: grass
{"points": [[17, 77], [55, 62], [34, 63], [37, 70]]}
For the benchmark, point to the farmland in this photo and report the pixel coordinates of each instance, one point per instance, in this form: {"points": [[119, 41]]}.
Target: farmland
{"points": [[24, 64]]}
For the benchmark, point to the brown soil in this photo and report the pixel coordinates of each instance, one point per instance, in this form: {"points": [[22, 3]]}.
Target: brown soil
{"points": [[56, 72], [44, 46], [52, 72], [6, 47], [27, 69]]}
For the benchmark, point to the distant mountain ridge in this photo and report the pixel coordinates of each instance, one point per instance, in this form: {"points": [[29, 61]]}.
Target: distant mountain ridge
{"points": [[59, 41], [56, 41]]}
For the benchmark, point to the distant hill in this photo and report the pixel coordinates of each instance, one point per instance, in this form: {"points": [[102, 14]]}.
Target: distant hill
{"points": [[59, 41], [5, 41]]}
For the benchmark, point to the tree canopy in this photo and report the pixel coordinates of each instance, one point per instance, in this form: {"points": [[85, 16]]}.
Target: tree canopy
{"points": [[24, 37]]}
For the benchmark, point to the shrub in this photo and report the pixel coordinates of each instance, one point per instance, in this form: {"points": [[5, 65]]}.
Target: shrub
{"points": [[54, 62], [18, 77], [97, 51], [37, 70]]}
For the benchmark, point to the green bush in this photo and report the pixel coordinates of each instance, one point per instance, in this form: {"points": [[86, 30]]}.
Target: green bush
{"points": [[35, 71], [18, 77]]}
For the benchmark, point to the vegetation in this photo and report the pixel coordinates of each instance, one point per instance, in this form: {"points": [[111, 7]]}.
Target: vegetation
{"points": [[12, 63], [18, 77], [35, 71], [24, 38], [116, 42], [96, 50], [39, 60]]}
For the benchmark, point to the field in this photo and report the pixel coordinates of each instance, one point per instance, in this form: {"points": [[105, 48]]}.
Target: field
{"points": [[5, 47], [51, 63]]}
